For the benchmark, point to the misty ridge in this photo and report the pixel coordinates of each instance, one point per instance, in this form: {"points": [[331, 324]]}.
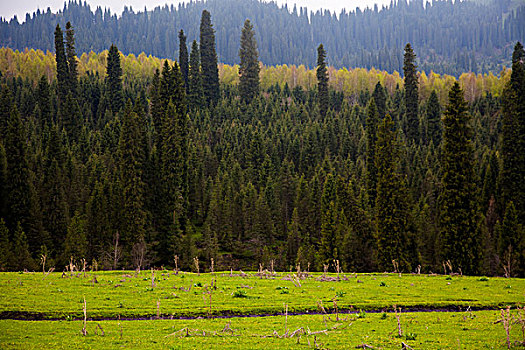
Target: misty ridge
{"points": [[450, 37]]}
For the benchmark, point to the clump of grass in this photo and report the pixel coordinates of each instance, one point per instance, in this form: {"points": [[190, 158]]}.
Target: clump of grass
{"points": [[483, 279], [340, 294], [384, 316], [240, 294], [382, 284], [361, 314], [411, 336]]}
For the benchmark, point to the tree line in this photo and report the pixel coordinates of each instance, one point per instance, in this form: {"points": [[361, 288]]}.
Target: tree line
{"points": [[129, 173], [451, 37]]}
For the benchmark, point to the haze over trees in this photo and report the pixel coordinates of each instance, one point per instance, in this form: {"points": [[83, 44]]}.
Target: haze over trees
{"points": [[449, 37], [127, 171]]}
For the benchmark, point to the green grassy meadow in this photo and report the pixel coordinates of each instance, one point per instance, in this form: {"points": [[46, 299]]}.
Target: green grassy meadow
{"points": [[421, 330], [152, 313]]}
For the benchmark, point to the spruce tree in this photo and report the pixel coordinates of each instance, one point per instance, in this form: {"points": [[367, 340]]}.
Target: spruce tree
{"points": [[411, 94], [195, 93], [392, 208], [75, 244], [43, 96], [433, 114], [62, 66], [55, 207], [183, 58], [513, 136], [131, 179], [114, 80], [511, 242], [3, 182], [379, 97], [22, 257], [210, 70], [249, 67], [21, 195], [322, 81], [372, 121], [5, 247], [459, 214], [6, 103], [71, 59], [329, 245], [172, 198]]}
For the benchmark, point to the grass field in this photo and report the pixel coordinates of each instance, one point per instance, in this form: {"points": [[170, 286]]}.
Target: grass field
{"points": [[422, 330], [153, 305]]}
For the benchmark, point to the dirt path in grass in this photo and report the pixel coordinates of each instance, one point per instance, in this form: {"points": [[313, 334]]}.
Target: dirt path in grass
{"points": [[225, 314]]}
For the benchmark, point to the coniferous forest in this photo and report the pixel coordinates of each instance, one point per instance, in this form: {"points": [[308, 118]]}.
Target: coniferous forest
{"points": [[126, 172], [450, 36]]}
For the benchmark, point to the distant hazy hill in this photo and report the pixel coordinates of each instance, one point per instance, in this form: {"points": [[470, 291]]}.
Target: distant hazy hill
{"points": [[448, 37]]}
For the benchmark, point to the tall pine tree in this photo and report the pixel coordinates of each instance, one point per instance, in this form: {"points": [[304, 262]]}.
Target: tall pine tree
{"points": [[210, 70], [392, 209], [322, 81], [183, 58], [71, 56], [372, 121], [411, 94], [62, 66], [433, 114], [513, 136], [114, 80], [195, 93], [131, 180], [459, 214], [249, 68]]}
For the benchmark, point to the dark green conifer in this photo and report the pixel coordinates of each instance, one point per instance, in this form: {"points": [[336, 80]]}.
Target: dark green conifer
{"points": [[183, 58], [22, 203], [379, 97], [210, 70], [5, 247], [513, 136], [411, 94], [392, 208], [329, 248], [195, 93], [43, 97], [63, 76], [433, 114], [372, 121], [322, 81], [114, 80], [249, 67], [131, 179], [71, 56], [3, 182], [459, 214], [511, 242], [55, 207], [22, 257], [75, 244]]}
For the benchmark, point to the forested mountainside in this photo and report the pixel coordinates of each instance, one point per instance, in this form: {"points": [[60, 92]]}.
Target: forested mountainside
{"points": [[151, 163], [450, 37]]}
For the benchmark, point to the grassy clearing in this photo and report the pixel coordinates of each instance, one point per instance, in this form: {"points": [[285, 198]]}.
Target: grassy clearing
{"points": [[424, 330], [110, 294]]}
